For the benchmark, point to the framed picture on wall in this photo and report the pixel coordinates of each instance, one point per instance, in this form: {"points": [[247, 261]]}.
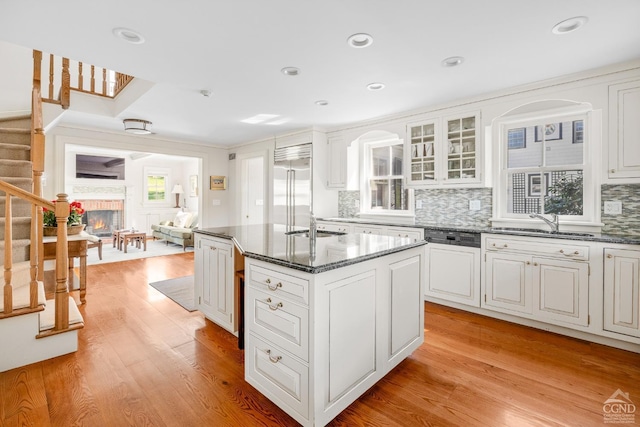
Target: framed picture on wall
{"points": [[218, 182], [193, 186]]}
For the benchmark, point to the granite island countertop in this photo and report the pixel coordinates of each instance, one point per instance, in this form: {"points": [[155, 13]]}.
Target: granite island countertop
{"points": [[270, 243]]}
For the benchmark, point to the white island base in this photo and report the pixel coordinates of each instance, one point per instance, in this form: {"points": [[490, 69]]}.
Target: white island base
{"points": [[317, 342]]}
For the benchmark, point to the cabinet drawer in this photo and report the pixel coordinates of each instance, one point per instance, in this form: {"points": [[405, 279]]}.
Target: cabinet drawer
{"points": [[278, 375], [336, 227], [568, 250], [282, 322], [405, 232], [280, 284]]}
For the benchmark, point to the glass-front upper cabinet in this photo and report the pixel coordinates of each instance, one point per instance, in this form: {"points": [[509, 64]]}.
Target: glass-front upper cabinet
{"points": [[445, 151], [423, 152]]}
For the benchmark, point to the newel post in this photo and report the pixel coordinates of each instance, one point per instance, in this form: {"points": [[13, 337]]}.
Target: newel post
{"points": [[62, 263]]}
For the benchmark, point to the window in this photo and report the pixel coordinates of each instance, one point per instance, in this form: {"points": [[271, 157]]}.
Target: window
{"points": [[156, 187], [516, 138], [156, 182], [383, 175], [551, 175]]}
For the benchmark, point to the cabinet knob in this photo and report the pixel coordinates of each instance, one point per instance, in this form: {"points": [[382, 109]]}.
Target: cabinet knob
{"points": [[505, 246], [612, 171], [576, 253], [535, 264], [213, 248], [561, 251], [528, 262], [273, 359], [609, 256], [273, 307]]}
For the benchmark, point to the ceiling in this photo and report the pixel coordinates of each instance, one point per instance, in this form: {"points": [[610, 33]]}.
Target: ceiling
{"points": [[236, 50]]}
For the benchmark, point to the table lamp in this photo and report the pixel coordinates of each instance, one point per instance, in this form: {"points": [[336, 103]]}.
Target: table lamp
{"points": [[177, 190]]}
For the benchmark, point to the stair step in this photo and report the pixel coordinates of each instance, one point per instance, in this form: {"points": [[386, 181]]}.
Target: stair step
{"points": [[19, 207], [48, 316], [15, 136], [20, 227], [16, 168], [20, 249], [15, 151], [21, 297], [22, 121], [24, 183]]}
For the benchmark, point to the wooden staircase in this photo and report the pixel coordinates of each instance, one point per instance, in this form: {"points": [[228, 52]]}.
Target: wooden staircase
{"points": [[31, 329]]}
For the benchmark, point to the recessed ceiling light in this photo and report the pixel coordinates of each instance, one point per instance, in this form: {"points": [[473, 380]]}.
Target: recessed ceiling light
{"points": [[290, 71], [360, 40], [452, 61], [205, 92], [569, 25], [375, 86], [322, 102], [128, 35]]}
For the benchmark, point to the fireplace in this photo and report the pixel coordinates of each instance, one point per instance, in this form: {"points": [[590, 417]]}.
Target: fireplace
{"points": [[103, 217]]}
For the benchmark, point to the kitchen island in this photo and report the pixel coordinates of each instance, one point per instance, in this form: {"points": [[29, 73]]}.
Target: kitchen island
{"points": [[326, 318]]}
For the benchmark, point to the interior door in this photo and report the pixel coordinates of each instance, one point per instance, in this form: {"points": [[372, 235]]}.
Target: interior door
{"points": [[252, 190]]}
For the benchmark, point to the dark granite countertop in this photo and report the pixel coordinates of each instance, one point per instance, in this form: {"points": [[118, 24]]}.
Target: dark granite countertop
{"points": [[268, 242], [586, 236]]}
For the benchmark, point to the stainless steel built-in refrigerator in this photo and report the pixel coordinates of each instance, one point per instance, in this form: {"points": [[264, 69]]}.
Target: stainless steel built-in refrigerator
{"points": [[292, 188]]}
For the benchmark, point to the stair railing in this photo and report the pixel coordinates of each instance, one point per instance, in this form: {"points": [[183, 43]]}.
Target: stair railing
{"points": [[61, 209], [65, 75]]}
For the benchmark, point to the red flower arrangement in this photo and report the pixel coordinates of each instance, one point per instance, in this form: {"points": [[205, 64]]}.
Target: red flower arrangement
{"points": [[75, 215]]}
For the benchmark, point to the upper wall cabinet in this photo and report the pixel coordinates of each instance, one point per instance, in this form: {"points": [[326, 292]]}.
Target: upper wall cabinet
{"points": [[445, 151], [337, 164], [624, 130]]}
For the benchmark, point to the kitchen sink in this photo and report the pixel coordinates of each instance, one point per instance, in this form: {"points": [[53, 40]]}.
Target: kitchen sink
{"points": [[305, 233], [540, 232]]}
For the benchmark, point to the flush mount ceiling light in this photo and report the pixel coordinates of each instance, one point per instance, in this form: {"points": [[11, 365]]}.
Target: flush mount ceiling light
{"points": [[452, 61], [128, 35], [290, 71], [137, 126], [375, 86], [322, 103], [360, 40], [569, 25], [206, 93]]}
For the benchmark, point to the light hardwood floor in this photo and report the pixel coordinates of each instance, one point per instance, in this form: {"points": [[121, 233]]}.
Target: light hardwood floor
{"points": [[145, 361]]}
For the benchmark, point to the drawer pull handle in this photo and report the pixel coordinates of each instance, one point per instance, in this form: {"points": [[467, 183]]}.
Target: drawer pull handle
{"points": [[609, 256], [273, 359], [273, 307], [274, 287], [213, 248]]}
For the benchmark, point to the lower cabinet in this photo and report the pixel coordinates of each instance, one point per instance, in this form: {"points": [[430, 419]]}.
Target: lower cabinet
{"points": [[622, 291], [214, 281], [553, 288], [453, 273], [317, 342]]}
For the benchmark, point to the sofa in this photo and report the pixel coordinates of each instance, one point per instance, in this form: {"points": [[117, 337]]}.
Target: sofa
{"points": [[179, 231]]}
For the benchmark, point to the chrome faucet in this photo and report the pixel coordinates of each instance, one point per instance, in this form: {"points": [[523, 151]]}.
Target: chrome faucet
{"points": [[313, 227], [554, 223]]}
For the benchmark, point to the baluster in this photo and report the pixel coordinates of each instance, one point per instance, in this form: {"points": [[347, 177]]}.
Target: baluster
{"points": [[104, 81], [80, 76], [65, 91], [8, 256], [93, 79], [51, 75]]}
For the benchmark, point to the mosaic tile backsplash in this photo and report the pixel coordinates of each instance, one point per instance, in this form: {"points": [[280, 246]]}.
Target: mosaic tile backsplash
{"points": [[450, 207], [629, 221]]}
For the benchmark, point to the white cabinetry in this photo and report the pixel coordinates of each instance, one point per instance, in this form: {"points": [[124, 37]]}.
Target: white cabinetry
{"points": [[445, 150], [453, 273], [214, 280], [339, 227], [624, 130], [311, 350], [541, 279], [622, 291], [337, 164], [411, 232]]}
